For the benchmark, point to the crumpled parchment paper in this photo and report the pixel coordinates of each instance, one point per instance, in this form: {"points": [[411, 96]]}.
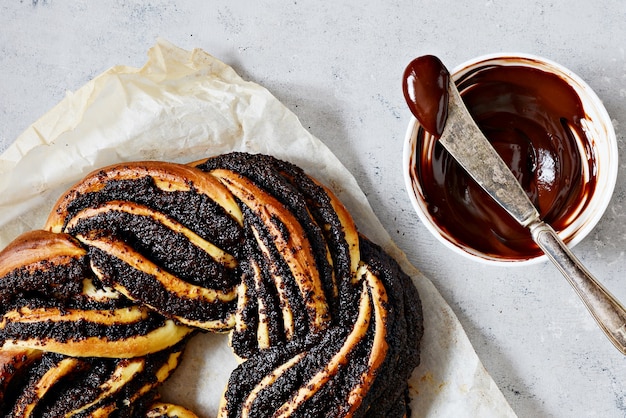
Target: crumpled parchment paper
{"points": [[186, 105]]}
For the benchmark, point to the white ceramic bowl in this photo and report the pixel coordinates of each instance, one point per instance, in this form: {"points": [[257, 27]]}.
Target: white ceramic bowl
{"points": [[600, 137]]}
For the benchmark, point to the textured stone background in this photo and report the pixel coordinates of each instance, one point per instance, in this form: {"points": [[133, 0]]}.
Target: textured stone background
{"points": [[338, 67]]}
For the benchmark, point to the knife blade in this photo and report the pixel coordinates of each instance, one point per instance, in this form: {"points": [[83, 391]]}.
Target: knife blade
{"points": [[464, 140]]}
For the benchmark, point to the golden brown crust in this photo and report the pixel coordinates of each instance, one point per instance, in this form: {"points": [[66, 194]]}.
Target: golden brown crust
{"points": [[290, 243], [168, 410], [156, 340], [167, 176], [74, 325], [351, 235], [34, 246], [152, 236]]}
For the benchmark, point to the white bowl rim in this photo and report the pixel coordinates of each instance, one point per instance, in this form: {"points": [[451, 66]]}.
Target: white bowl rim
{"points": [[600, 200]]}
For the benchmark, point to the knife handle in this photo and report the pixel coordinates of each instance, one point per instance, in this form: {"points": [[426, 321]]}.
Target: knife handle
{"points": [[605, 309]]}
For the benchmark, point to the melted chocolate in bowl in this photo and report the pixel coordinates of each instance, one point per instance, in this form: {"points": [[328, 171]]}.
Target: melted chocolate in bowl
{"points": [[536, 121]]}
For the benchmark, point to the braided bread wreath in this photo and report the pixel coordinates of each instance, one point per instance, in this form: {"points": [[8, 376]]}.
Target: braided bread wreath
{"points": [[136, 258]]}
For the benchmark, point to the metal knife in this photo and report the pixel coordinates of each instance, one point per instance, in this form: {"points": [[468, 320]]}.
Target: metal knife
{"points": [[464, 140]]}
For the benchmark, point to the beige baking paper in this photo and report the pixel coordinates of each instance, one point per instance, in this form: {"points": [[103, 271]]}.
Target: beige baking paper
{"points": [[183, 106]]}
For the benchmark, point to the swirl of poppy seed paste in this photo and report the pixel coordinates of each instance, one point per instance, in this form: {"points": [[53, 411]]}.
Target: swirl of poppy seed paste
{"points": [[324, 322], [70, 346]]}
